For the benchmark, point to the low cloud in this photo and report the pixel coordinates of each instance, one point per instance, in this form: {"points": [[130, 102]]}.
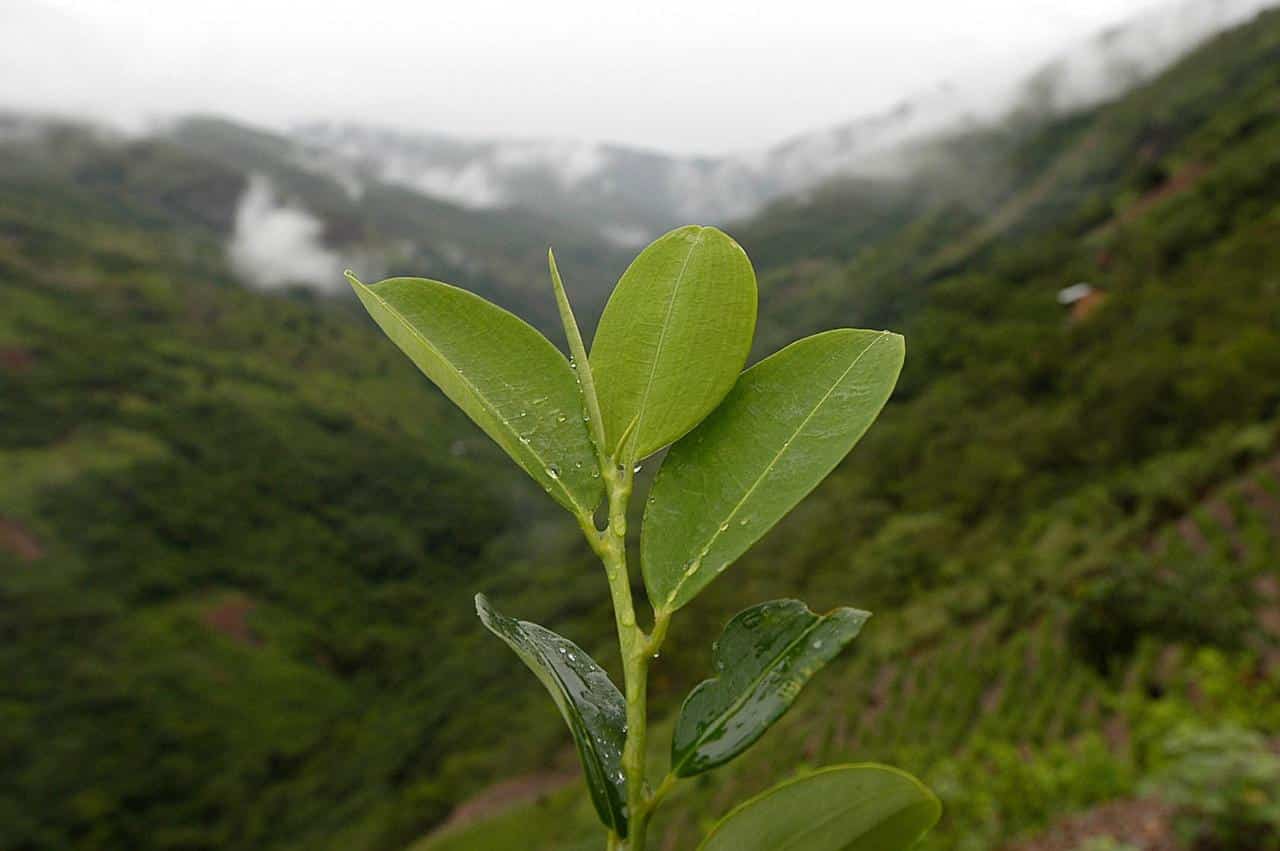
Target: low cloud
{"points": [[276, 244]]}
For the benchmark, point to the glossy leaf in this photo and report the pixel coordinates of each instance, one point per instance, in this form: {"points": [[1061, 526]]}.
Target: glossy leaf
{"points": [[762, 661], [842, 808], [787, 423], [498, 369], [589, 701], [672, 339]]}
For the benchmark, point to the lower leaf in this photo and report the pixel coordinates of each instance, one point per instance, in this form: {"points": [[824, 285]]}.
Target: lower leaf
{"points": [[591, 705], [842, 808], [762, 660]]}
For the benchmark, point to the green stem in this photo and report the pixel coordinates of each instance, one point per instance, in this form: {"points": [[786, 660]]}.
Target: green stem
{"points": [[610, 544]]}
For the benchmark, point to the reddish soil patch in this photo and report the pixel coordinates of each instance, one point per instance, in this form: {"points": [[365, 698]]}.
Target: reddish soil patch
{"points": [[230, 617], [1178, 183], [1222, 515], [18, 540], [15, 360], [1268, 587], [1191, 534], [502, 796], [1143, 823], [1265, 504]]}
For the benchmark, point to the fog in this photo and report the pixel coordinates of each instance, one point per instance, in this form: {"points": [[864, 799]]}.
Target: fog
{"points": [[276, 244], [714, 77]]}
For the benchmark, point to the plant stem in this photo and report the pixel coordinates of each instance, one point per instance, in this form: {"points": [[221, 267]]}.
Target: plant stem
{"points": [[637, 649], [610, 544]]}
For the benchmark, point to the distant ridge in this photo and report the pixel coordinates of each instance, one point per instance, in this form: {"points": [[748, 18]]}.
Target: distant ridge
{"points": [[629, 194]]}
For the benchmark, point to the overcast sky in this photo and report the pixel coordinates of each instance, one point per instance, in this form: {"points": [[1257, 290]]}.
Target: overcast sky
{"points": [[711, 76]]}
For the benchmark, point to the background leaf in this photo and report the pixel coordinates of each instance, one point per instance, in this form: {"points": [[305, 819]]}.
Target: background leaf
{"points": [[497, 368], [673, 338], [762, 660], [785, 425], [589, 701], [842, 808]]}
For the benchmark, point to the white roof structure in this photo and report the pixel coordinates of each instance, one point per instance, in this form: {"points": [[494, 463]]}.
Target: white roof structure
{"points": [[1073, 293]]}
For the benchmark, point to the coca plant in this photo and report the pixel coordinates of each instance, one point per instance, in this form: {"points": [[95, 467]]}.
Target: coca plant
{"points": [[665, 370]]}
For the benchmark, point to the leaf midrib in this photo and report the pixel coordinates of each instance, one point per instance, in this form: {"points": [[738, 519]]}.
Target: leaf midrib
{"points": [[489, 407], [715, 536], [639, 418]]}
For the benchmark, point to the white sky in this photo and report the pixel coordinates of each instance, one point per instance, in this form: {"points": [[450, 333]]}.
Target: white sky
{"points": [[710, 76]]}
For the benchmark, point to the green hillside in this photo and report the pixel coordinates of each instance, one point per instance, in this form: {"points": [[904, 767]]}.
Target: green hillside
{"points": [[239, 534], [1068, 531]]}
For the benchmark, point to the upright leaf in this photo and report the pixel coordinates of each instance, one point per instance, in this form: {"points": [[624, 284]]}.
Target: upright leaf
{"points": [[762, 661], [842, 808], [785, 425], [589, 701], [672, 339], [506, 376]]}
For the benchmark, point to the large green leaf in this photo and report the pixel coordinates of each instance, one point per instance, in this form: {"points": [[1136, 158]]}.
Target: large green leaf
{"points": [[506, 376], [785, 425], [842, 808], [762, 661], [589, 701], [672, 339]]}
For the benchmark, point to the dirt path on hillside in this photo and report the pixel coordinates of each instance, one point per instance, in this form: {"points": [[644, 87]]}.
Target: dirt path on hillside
{"points": [[500, 797]]}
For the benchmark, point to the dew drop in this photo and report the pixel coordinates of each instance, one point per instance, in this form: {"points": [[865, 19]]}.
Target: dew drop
{"points": [[553, 471], [573, 364], [561, 418], [817, 644], [595, 474], [724, 527], [572, 658], [744, 521], [636, 469]]}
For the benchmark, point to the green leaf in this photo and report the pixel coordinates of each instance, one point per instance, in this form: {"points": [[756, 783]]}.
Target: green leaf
{"points": [[501, 372], [672, 339], [589, 701], [841, 808], [763, 659], [786, 424]]}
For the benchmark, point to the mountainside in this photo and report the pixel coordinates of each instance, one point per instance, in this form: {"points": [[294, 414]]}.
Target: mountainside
{"points": [[1045, 494], [629, 195], [286, 222], [239, 534]]}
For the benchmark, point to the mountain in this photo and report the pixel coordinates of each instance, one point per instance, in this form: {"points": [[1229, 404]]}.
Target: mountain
{"points": [[239, 533], [286, 222], [629, 195]]}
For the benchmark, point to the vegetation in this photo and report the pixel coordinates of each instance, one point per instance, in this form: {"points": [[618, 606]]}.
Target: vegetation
{"points": [[238, 536], [744, 449], [1225, 787]]}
